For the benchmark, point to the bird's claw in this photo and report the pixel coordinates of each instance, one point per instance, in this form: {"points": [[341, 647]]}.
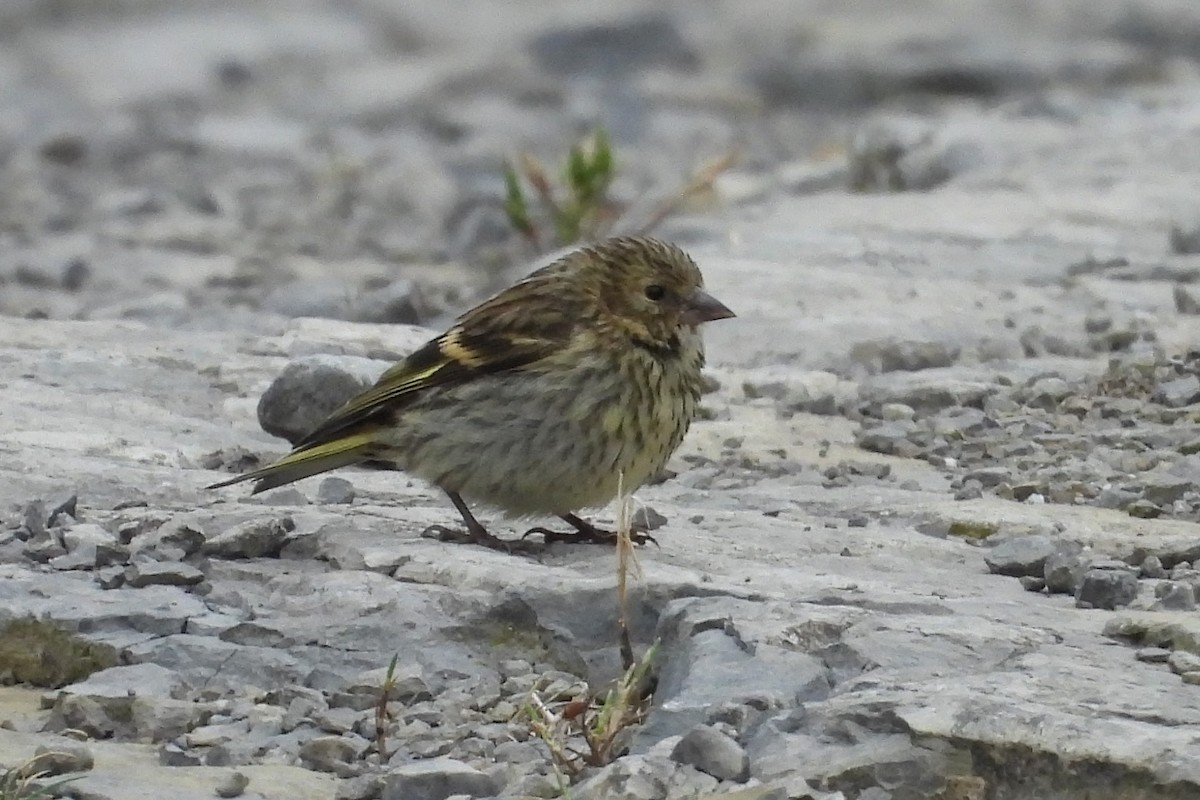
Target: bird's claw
{"points": [[443, 533], [589, 535]]}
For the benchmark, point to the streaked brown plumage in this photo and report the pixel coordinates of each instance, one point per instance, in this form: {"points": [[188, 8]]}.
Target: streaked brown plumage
{"points": [[543, 399]]}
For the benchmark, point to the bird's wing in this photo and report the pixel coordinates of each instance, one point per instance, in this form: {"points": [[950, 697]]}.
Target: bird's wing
{"points": [[517, 329], [498, 336]]}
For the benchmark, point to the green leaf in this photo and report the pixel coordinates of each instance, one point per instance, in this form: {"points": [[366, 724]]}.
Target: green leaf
{"points": [[515, 206]]}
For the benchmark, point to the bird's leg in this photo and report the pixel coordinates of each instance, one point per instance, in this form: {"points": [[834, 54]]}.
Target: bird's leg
{"points": [[474, 534], [586, 533]]}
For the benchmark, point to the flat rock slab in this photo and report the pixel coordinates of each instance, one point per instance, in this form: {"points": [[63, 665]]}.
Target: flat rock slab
{"points": [[115, 763], [881, 621]]}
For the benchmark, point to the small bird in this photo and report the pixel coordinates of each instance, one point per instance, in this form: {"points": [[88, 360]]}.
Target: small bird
{"points": [[576, 382]]}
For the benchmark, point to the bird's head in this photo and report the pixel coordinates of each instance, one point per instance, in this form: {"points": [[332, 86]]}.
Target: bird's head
{"points": [[649, 290]]}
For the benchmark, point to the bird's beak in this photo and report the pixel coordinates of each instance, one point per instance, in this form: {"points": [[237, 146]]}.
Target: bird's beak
{"points": [[703, 307]]}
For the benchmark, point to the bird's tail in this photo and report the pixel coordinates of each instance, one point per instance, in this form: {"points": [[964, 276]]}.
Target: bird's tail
{"points": [[306, 461]]}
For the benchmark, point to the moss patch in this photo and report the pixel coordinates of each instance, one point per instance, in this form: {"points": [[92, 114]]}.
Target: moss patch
{"points": [[40, 653], [972, 530]]}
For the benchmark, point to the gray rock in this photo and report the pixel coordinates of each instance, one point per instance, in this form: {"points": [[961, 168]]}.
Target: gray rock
{"points": [[1186, 301], [1022, 555], [349, 550], [1152, 567], [251, 539], [892, 355], [889, 438], [989, 477], [159, 573], [171, 754], [184, 535], [1047, 393], [408, 682], [330, 753], [391, 302], [335, 491], [897, 412], [311, 388], [795, 392], [124, 701], [44, 548], [1033, 583], [1106, 589], [709, 663], [517, 753], [1184, 240], [33, 520], [63, 511], [232, 785], [84, 534], [1164, 489], [361, 787], [927, 391], [215, 734], [1153, 655], [254, 634], [208, 661], [630, 45], [1144, 509], [1064, 570], [1175, 596], [897, 154], [1116, 497], [1182, 662], [713, 752], [646, 518], [62, 758], [636, 777], [436, 779], [1179, 392]]}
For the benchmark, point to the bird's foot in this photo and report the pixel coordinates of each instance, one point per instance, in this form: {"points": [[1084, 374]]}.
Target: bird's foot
{"points": [[585, 533], [479, 536]]}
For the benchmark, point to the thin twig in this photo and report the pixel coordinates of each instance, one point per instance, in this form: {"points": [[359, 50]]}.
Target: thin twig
{"points": [[702, 181], [625, 557]]}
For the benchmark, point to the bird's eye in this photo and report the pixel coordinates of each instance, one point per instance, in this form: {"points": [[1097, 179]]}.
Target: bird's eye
{"points": [[655, 292]]}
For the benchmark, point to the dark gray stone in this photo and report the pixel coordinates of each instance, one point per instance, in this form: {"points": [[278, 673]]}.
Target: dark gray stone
{"points": [[391, 302], [436, 779], [1178, 393], [889, 438], [1107, 589], [1182, 662], [1175, 596], [1022, 555], [893, 355], [1186, 301], [63, 758], [251, 539], [335, 491], [329, 753], [1033, 583], [232, 785], [1184, 240], [1064, 570], [711, 751], [310, 389], [630, 45], [161, 573], [1152, 567]]}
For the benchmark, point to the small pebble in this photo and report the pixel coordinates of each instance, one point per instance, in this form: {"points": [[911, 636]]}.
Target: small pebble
{"points": [[232, 785], [335, 491], [1153, 655]]}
